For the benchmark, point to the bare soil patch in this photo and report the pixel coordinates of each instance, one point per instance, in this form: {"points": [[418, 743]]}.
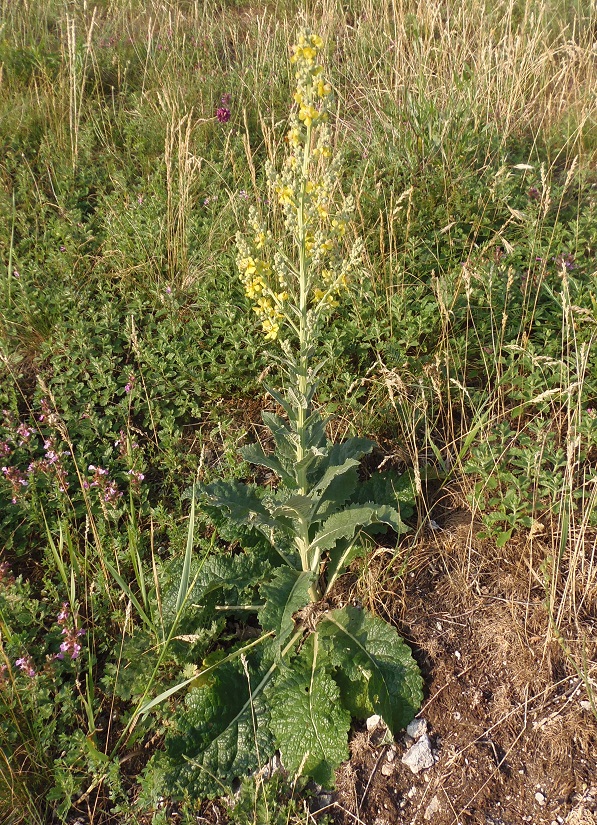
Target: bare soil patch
{"points": [[509, 715]]}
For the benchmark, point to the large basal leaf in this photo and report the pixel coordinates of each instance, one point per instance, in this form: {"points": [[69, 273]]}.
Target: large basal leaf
{"points": [[242, 505], [287, 592], [223, 735], [376, 669], [308, 721]]}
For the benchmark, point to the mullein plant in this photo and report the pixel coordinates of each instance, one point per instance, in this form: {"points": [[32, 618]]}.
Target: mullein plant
{"points": [[316, 665]]}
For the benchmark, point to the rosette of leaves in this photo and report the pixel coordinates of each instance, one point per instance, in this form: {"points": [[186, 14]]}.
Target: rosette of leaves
{"points": [[308, 669]]}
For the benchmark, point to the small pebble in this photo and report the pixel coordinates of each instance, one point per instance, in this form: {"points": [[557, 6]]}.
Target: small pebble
{"points": [[539, 798], [373, 722], [419, 757], [391, 754], [387, 769], [417, 728], [431, 809]]}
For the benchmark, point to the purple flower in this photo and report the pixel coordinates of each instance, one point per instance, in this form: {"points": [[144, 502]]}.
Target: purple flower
{"points": [[111, 493], [565, 261], [130, 384], [26, 665], [70, 645], [223, 114], [4, 448], [226, 98], [136, 478], [24, 433]]}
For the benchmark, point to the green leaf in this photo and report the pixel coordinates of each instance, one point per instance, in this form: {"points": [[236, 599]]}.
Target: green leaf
{"points": [[287, 592], [376, 670], [253, 453], [340, 556], [286, 439], [222, 735], [308, 721], [389, 487], [243, 505], [343, 525], [332, 471], [286, 405], [296, 507], [351, 448]]}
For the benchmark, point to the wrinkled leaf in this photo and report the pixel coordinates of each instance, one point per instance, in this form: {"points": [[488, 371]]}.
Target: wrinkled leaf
{"points": [[287, 592], [308, 721], [222, 735], [376, 669]]}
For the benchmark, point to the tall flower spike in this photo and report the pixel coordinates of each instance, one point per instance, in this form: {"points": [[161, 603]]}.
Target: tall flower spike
{"points": [[286, 278]]}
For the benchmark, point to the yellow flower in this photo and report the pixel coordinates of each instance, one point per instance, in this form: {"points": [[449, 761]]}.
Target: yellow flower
{"points": [[259, 240], [271, 329], [327, 245], [339, 226], [294, 135], [318, 294], [323, 89], [248, 266], [316, 41], [285, 195], [308, 114]]}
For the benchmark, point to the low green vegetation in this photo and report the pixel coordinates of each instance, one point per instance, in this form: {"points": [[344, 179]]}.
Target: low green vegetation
{"points": [[162, 504]]}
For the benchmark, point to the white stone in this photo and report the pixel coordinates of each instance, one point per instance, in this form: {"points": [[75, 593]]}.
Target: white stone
{"points": [[417, 728], [419, 757], [387, 769], [433, 808], [539, 798], [373, 722]]}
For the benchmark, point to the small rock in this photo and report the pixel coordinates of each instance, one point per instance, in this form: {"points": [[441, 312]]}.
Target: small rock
{"points": [[417, 728], [433, 808], [391, 754], [420, 756], [320, 802], [373, 722], [387, 769], [412, 792], [585, 705], [539, 798]]}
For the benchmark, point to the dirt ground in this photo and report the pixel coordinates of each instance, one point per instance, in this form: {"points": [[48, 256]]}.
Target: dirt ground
{"points": [[510, 719]]}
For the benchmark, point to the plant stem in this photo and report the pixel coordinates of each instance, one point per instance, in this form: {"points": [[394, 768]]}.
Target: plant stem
{"points": [[302, 372]]}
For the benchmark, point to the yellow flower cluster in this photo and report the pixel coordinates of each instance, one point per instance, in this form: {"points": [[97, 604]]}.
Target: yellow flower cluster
{"points": [[306, 48], [307, 274], [311, 87], [256, 276]]}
